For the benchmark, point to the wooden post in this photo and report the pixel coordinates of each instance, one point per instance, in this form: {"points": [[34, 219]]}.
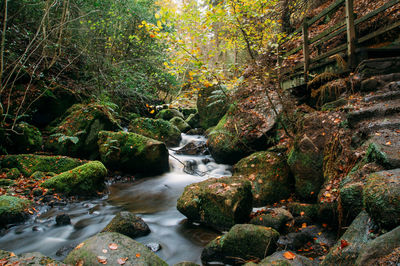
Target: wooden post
{"points": [[351, 34], [306, 51]]}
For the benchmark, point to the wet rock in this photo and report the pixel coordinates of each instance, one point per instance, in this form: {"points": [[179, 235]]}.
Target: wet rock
{"points": [[32, 258], [77, 133], [128, 224], [379, 66], [347, 249], [193, 120], [85, 180], [383, 147], [180, 124], [133, 153], [190, 167], [29, 163], [193, 148], [154, 247], [91, 251], [277, 218], [63, 251], [157, 129], [381, 197], [63, 219], [168, 114], [196, 131], [278, 259], [303, 209], [242, 243], [381, 250], [186, 263], [24, 138], [13, 210], [210, 115], [219, 203], [269, 176]]}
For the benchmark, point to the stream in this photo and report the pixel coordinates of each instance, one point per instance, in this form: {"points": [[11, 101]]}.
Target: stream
{"points": [[153, 199]]}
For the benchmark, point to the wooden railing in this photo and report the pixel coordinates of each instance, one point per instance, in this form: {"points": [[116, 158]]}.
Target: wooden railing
{"points": [[348, 25]]}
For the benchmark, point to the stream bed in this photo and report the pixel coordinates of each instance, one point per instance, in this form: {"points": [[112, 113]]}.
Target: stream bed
{"points": [[152, 198]]}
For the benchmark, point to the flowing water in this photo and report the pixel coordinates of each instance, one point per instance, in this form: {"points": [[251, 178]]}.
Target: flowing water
{"points": [[153, 199]]}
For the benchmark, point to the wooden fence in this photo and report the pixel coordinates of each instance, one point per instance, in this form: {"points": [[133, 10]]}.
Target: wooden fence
{"points": [[300, 73]]}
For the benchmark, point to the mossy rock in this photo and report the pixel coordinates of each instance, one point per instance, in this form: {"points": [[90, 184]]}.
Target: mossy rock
{"points": [[242, 243], [77, 133], [276, 218], [269, 176], [168, 114], [378, 251], [157, 129], [333, 105], [87, 179], [13, 173], [31, 258], [278, 259], [29, 163], [306, 209], [128, 224], [356, 236], [180, 124], [193, 120], [13, 210], [87, 253], [4, 182], [186, 263], [39, 175], [27, 139], [306, 167], [210, 115], [381, 198], [219, 203], [188, 111], [133, 153]]}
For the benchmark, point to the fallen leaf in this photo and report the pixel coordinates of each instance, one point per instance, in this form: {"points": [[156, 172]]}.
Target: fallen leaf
{"points": [[343, 244], [113, 246], [102, 259], [301, 213], [388, 143], [137, 255], [304, 225], [105, 251], [80, 263], [80, 245], [289, 255], [121, 261]]}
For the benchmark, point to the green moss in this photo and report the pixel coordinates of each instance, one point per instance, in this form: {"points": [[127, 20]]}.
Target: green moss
{"points": [[86, 179], [128, 224], [193, 120], [133, 153], [209, 115], [28, 139], [309, 210], [157, 129], [180, 124], [6, 182], [29, 163], [13, 173], [277, 219], [13, 209], [168, 114], [188, 111]]}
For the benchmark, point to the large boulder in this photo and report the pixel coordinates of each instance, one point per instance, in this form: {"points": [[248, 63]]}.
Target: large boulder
{"points": [[77, 133], [25, 138], [30, 163], [219, 203], [181, 124], [349, 246], [168, 114], [193, 120], [276, 218], [278, 258], [242, 243], [13, 209], [133, 153], [121, 250], [246, 127], [85, 180], [210, 111], [268, 174], [382, 250], [128, 224], [381, 198], [158, 129]]}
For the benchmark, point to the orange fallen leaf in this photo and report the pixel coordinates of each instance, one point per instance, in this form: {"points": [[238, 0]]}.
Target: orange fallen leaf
{"points": [[304, 225], [301, 213], [121, 261], [80, 245], [137, 255], [113, 246], [80, 263], [12, 254], [388, 143], [102, 259], [289, 255], [343, 244], [105, 251]]}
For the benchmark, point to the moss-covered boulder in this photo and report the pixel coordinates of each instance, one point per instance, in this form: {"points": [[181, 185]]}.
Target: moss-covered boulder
{"points": [[128, 224], [279, 259], [381, 198], [25, 138], [13, 173], [210, 113], [276, 218], [181, 124], [13, 209], [168, 114], [219, 203], [29, 163], [85, 180], [90, 252], [242, 243], [133, 153], [383, 250], [193, 120], [349, 246], [246, 127], [77, 133], [157, 129], [268, 174], [31, 258], [5, 182]]}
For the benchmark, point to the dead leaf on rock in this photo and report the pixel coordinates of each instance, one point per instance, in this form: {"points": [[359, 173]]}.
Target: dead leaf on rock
{"points": [[289, 255], [121, 261], [80, 263], [80, 245], [113, 246], [102, 259], [105, 251]]}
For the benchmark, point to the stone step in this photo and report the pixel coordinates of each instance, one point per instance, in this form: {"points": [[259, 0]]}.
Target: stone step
{"points": [[379, 110], [388, 96], [387, 82], [385, 144], [371, 126]]}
